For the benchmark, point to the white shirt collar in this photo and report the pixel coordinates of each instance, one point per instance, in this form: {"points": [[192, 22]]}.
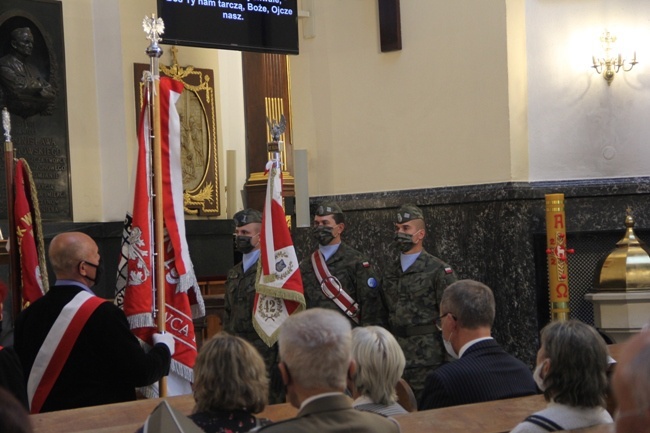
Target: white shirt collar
{"points": [[316, 397], [469, 343]]}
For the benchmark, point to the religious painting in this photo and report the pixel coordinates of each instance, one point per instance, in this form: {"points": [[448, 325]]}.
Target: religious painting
{"points": [[199, 157]]}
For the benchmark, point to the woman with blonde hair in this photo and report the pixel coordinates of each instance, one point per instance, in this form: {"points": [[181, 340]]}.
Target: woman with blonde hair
{"points": [[572, 372], [379, 366], [230, 385]]}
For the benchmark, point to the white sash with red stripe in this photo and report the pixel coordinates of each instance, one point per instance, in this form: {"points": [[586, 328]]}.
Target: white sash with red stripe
{"points": [[56, 348], [332, 288]]}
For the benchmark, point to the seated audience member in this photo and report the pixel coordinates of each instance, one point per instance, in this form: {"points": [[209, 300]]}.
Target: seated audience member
{"points": [[572, 372], [103, 361], [483, 371], [13, 416], [380, 363], [315, 354], [631, 384], [230, 385]]}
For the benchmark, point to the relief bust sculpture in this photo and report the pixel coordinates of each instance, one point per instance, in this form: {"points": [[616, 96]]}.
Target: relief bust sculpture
{"points": [[25, 91]]}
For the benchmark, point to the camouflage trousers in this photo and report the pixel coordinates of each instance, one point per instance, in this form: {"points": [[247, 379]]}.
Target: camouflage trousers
{"points": [[416, 377]]}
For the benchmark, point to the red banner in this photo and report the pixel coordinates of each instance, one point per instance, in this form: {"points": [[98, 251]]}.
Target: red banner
{"points": [[30, 271], [135, 286]]}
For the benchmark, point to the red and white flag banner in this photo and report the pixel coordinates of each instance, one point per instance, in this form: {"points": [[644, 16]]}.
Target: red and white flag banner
{"points": [[29, 235], [135, 291], [279, 290]]}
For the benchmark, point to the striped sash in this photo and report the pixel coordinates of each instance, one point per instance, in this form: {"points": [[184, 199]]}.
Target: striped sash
{"points": [[332, 288], [56, 348]]}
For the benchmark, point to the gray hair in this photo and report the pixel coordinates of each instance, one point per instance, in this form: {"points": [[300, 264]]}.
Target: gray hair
{"points": [[577, 375], [471, 303], [380, 363], [315, 345]]}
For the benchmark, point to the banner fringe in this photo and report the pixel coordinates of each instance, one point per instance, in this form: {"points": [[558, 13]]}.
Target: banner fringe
{"points": [[40, 243], [143, 320]]}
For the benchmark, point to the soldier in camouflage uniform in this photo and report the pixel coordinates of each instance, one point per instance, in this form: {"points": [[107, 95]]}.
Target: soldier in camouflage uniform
{"points": [[350, 268], [240, 295], [412, 288]]}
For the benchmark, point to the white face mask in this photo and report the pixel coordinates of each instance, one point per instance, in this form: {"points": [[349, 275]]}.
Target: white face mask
{"points": [[449, 348], [537, 376]]}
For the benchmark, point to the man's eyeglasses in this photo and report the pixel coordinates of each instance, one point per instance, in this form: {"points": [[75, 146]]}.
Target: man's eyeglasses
{"points": [[438, 320]]}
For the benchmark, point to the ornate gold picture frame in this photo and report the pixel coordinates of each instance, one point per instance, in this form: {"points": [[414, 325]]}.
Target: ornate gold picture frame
{"points": [[199, 156]]}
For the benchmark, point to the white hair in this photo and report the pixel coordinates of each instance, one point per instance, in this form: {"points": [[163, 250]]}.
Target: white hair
{"points": [[380, 363], [315, 347]]}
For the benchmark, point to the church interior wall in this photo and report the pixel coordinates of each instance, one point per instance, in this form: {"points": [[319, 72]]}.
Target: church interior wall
{"points": [[580, 127], [463, 121], [432, 114]]}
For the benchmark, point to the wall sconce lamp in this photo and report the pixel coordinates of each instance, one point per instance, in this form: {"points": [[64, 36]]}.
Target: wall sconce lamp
{"points": [[608, 65]]}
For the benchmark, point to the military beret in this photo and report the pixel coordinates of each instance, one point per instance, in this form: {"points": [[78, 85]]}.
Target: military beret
{"points": [[409, 212], [328, 208], [247, 216]]}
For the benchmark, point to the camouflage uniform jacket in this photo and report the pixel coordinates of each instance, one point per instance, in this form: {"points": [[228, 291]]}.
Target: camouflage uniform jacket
{"points": [[412, 299], [238, 320], [238, 309], [358, 279]]}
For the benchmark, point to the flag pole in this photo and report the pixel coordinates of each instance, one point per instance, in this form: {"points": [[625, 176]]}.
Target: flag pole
{"points": [[13, 244], [154, 27]]}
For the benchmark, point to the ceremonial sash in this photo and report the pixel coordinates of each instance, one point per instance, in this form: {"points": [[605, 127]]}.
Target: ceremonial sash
{"points": [[56, 348], [332, 288]]}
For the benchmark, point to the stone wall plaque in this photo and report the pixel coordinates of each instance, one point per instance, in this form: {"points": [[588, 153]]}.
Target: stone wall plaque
{"points": [[33, 88]]}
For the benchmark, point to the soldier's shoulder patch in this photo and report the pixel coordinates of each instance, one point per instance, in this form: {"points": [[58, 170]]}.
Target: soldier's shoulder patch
{"points": [[448, 270], [372, 282], [365, 264]]}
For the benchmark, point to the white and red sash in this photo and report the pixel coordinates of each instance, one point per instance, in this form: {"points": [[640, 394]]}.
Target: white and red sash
{"points": [[332, 288], [56, 348]]}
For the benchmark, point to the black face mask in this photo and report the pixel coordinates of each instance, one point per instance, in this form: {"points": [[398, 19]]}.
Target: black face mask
{"points": [[243, 244], [322, 234], [404, 242], [98, 273]]}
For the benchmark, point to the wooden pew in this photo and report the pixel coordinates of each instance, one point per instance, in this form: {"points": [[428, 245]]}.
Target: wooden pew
{"points": [[489, 417], [127, 417]]}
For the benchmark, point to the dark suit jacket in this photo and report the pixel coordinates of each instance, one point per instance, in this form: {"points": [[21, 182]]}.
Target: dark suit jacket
{"points": [[333, 414], [106, 362], [11, 375], [485, 372]]}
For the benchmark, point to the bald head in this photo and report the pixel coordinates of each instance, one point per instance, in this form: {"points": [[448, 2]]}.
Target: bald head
{"points": [[70, 252], [631, 384]]}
